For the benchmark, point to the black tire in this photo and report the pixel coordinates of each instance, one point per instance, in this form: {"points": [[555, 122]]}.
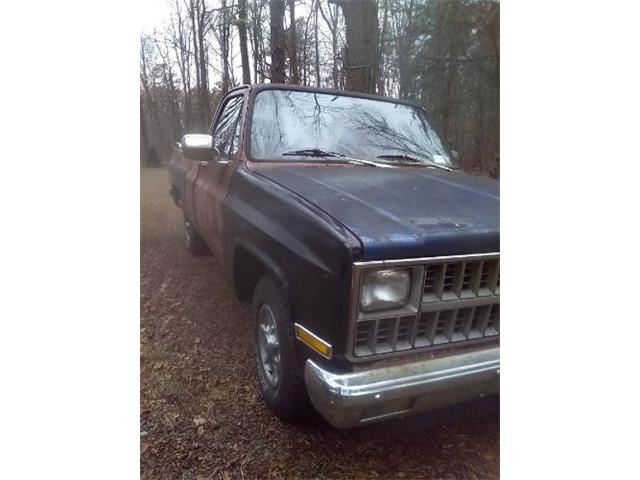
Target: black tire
{"points": [[286, 396], [193, 240]]}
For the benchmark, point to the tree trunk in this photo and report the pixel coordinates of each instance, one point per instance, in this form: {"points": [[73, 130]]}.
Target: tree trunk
{"points": [[224, 46], [332, 23], [191, 10], [204, 83], [293, 51], [361, 62], [197, 13], [276, 10], [256, 18], [180, 46], [405, 52], [316, 46], [381, 47], [304, 52], [242, 32]]}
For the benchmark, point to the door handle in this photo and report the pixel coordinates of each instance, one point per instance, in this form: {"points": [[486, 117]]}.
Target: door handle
{"points": [[204, 163]]}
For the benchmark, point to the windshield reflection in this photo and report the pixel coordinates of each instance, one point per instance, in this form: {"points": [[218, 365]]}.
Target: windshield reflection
{"points": [[286, 120]]}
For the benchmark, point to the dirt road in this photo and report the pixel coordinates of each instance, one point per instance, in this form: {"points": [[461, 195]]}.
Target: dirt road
{"points": [[201, 413]]}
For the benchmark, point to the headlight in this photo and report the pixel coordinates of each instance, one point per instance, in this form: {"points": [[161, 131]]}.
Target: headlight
{"points": [[385, 289]]}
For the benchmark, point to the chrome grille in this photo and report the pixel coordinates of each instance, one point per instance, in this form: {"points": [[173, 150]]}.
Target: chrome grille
{"points": [[460, 301], [467, 275], [403, 334], [431, 278], [461, 279], [433, 328], [384, 335]]}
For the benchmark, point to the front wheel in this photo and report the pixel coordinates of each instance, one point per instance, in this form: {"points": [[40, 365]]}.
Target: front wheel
{"points": [[281, 383]]}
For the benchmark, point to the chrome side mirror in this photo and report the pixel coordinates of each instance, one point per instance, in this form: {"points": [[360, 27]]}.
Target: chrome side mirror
{"points": [[197, 146]]}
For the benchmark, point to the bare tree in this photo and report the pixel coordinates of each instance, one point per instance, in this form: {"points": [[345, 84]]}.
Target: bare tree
{"points": [[444, 54], [316, 45], [276, 10], [293, 51], [167, 77], [197, 12], [222, 31], [257, 41], [306, 67], [361, 62], [331, 19], [406, 41], [241, 23], [181, 41], [145, 83], [382, 42]]}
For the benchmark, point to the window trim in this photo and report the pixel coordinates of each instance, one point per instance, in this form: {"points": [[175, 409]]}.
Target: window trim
{"points": [[232, 95]]}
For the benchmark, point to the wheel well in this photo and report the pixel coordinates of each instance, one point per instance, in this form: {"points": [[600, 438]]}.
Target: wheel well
{"points": [[247, 270]]}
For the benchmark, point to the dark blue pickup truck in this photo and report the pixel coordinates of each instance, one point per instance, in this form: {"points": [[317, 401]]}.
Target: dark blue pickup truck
{"points": [[371, 262]]}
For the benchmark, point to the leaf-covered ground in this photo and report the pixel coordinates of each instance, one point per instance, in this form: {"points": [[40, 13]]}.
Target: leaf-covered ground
{"points": [[201, 413]]}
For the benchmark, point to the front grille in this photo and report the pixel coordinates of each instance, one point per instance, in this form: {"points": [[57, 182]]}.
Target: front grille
{"points": [[460, 302], [461, 279], [432, 329]]}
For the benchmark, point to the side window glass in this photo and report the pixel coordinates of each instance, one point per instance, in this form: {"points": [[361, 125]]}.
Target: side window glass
{"points": [[226, 134]]}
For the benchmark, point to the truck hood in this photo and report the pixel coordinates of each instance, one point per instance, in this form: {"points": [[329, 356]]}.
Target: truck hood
{"points": [[403, 212]]}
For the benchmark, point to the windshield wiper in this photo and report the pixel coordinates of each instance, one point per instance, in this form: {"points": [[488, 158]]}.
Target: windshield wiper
{"points": [[312, 152], [318, 152], [414, 161], [359, 161]]}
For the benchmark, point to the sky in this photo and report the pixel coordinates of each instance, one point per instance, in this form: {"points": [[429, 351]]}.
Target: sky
{"points": [[155, 14]]}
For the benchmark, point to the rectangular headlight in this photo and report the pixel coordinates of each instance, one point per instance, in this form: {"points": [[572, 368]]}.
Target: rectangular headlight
{"points": [[385, 289]]}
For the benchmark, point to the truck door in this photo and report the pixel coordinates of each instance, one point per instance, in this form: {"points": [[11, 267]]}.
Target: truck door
{"points": [[210, 185]]}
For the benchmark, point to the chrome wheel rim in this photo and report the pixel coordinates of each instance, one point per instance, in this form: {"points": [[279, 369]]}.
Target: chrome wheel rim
{"points": [[268, 345]]}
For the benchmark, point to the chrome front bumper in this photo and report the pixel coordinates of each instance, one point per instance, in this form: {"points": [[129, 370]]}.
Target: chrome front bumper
{"points": [[358, 398]]}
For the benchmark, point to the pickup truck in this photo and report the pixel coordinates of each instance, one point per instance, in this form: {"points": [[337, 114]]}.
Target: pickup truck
{"points": [[372, 263]]}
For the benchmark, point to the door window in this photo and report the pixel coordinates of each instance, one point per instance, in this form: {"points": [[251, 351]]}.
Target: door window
{"points": [[226, 132]]}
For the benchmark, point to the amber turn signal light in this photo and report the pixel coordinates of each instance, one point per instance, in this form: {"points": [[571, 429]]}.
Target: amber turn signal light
{"points": [[313, 341]]}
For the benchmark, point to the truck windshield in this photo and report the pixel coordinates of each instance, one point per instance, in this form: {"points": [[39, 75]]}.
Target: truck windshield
{"points": [[292, 125]]}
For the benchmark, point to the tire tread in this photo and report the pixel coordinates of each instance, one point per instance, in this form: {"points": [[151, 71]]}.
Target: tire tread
{"points": [[290, 401]]}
